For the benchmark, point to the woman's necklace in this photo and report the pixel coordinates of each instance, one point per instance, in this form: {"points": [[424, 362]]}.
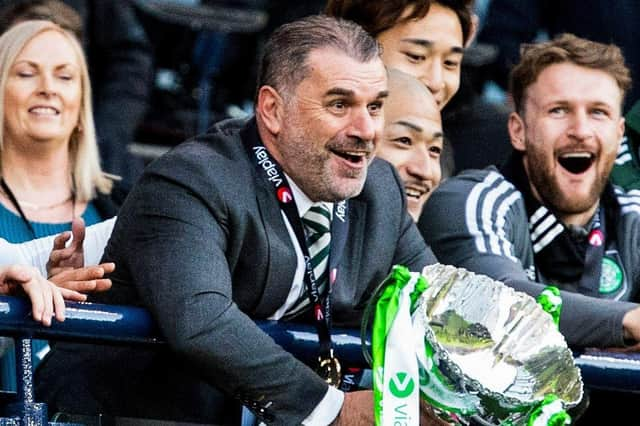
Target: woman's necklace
{"points": [[35, 207], [38, 207]]}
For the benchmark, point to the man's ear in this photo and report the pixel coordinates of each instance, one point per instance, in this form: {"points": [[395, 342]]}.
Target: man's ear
{"points": [[516, 131], [270, 109]]}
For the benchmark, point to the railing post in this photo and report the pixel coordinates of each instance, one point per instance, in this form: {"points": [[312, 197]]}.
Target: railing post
{"points": [[31, 413]]}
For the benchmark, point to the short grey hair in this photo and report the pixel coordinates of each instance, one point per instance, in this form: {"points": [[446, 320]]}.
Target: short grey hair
{"points": [[284, 62]]}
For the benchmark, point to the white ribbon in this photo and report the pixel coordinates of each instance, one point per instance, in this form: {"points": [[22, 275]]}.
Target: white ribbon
{"points": [[401, 395]]}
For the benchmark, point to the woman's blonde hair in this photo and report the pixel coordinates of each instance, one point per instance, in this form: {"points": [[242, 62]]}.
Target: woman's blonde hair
{"points": [[83, 145]]}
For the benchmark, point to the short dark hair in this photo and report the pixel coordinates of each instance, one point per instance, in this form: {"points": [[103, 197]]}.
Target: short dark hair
{"points": [[566, 48], [377, 16], [284, 62], [47, 10]]}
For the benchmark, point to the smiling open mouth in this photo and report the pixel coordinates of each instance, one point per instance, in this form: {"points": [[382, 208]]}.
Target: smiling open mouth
{"points": [[414, 194], [576, 162], [44, 110], [415, 191], [356, 157]]}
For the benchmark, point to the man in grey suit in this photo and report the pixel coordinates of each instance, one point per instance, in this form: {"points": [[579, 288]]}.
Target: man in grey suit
{"points": [[210, 239]]}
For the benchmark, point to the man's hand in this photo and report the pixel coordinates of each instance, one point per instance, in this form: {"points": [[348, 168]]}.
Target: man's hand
{"points": [[357, 410], [88, 279], [631, 329], [46, 298], [64, 258], [428, 417]]}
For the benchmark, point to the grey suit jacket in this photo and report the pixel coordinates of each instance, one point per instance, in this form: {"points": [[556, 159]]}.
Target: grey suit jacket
{"points": [[201, 242]]}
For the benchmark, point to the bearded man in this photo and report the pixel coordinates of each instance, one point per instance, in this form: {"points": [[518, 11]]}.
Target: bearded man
{"points": [[550, 216]]}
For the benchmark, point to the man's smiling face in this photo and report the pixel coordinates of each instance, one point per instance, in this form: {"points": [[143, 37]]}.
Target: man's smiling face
{"points": [[331, 125], [413, 138], [569, 133], [428, 48]]}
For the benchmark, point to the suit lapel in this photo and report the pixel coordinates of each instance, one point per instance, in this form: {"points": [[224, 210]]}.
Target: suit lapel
{"points": [[281, 258], [347, 284]]}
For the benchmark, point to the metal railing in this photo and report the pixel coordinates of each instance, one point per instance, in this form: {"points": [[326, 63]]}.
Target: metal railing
{"points": [[128, 325]]}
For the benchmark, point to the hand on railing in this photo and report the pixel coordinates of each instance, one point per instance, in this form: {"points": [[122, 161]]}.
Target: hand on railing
{"points": [[46, 298], [631, 326], [88, 279]]}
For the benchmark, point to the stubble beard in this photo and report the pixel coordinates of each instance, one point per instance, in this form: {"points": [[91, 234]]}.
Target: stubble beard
{"points": [[310, 168], [552, 196]]}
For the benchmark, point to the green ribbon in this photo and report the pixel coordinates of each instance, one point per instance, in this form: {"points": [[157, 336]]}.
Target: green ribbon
{"points": [[551, 302], [385, 313], [549, 412]]}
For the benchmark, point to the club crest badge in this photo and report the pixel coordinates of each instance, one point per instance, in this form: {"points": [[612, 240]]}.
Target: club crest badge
{"points": [[611, 277]]}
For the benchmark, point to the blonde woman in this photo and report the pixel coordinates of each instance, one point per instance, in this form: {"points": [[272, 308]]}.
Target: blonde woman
{"points": [[49, 166]]}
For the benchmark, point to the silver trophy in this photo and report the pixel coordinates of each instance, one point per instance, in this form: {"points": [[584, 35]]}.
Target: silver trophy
{"points": [[497, 353]]}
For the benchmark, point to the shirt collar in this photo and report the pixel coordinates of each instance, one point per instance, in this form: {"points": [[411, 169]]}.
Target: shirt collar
{"points": [[304, 203]]}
